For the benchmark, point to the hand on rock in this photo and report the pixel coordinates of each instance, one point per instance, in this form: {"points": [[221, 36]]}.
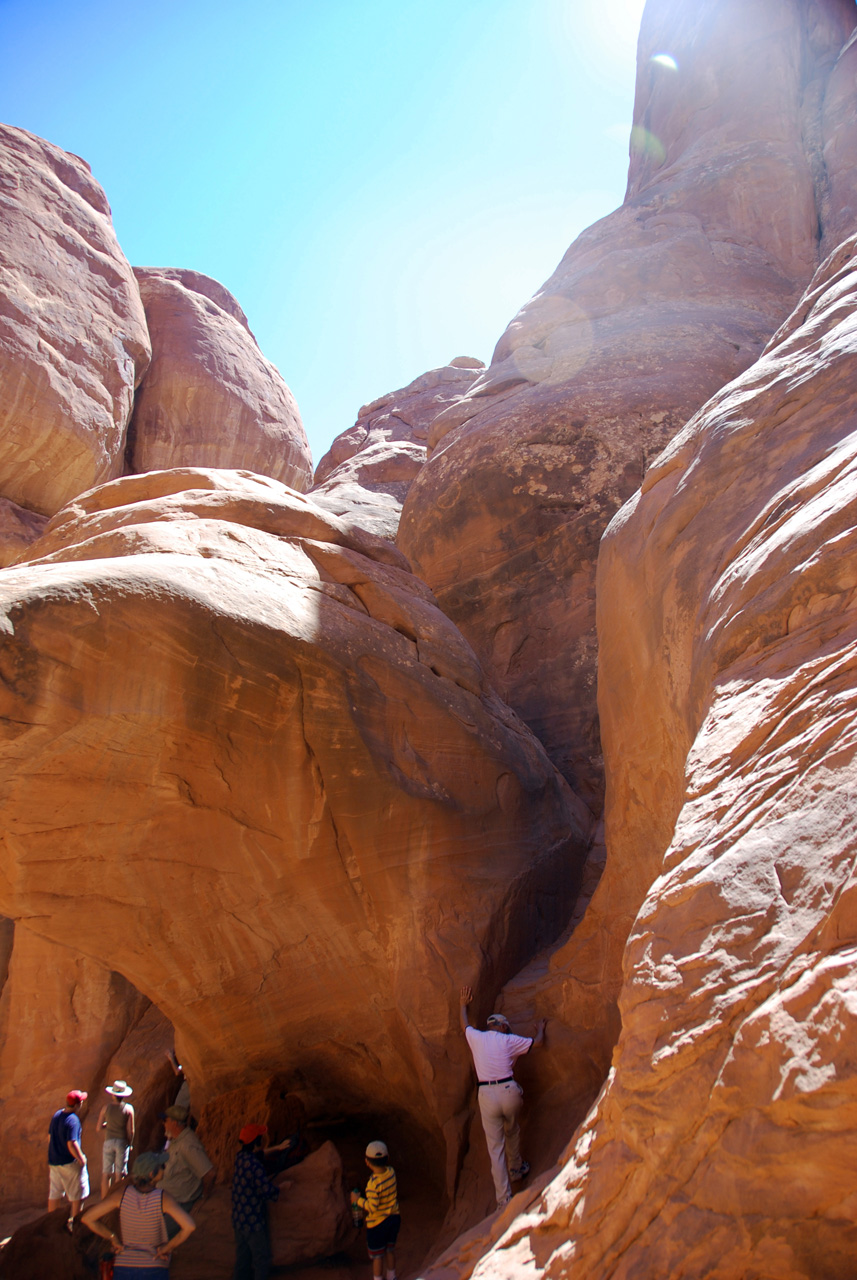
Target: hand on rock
{"points": [[466, 995]]}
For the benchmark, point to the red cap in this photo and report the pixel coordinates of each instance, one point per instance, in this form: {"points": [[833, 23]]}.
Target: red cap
{"points": [[251, 1132], [76, 1095]]}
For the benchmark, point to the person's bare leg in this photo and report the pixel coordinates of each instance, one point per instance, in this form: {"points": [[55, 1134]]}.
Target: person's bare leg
{"points": [[53, 1204], [106, 1183], [378, 1267], [390, 1259], [75, 1207]]}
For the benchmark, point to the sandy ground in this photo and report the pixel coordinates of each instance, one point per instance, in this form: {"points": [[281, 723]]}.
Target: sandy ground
{"points": [[210, 1253]]}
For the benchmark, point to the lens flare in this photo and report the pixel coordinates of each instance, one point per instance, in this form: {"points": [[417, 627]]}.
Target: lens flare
{"points": [[644, 143], [665, 60]]}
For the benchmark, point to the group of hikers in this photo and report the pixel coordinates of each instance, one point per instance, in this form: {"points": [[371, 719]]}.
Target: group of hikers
{"points": [[155, 1199]]}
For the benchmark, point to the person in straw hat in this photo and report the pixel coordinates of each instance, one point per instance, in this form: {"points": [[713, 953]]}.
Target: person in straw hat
{"points": [[117, 1117]]}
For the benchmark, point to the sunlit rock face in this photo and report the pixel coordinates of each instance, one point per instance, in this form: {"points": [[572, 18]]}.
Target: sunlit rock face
{"points": [[651, 310], [210, 398], [249, 765], [723, 1144], [73, 338], [366, 474], [839, 142]]}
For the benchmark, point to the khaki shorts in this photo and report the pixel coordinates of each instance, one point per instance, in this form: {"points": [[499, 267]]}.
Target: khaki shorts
{"points": [[114, 1157], [71, 1180]]}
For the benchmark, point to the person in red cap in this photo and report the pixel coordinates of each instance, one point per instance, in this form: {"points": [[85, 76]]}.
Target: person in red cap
{"points": [[67, 1163], [251, 1191]]}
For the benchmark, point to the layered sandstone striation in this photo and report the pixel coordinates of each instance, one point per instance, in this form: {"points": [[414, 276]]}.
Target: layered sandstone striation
{"points": [[210, 398], [651, 310], [731, 765], [367, 472], [245, 736], [73, 337]]}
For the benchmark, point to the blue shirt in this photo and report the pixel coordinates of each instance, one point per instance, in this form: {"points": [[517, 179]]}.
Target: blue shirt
{"points": [[251, 1190], [65, 1128]]}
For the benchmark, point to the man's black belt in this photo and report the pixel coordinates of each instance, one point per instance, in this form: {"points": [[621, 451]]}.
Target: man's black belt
{"points": [[505, 1080]]}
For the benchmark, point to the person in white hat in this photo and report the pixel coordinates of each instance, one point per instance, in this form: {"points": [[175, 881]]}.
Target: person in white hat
{"points": [[381, 1207], [500, 1096], [117, 1118]]}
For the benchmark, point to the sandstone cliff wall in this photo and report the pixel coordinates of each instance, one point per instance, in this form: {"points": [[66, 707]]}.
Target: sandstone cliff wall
{"points": [[650, 311], [247, 763], [722, 1144]]}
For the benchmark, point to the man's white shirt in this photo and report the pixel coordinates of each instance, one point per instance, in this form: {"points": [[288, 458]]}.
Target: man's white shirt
{"points": [[494, 1052]]}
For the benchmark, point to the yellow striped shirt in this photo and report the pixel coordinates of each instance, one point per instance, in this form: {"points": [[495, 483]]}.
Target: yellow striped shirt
{"points": [[381, 1199]]}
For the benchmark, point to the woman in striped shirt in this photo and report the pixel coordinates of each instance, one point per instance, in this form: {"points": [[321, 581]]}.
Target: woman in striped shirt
{"points": [[144, 1251], [381, 1206]]}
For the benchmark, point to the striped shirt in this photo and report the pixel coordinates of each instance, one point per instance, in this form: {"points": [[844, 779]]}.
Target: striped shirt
{"points": [[381, 1199], [141, 1218]]}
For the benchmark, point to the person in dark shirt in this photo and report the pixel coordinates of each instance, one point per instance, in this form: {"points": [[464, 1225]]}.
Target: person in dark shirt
{"points": [[251, 1191], [67, 1163]]}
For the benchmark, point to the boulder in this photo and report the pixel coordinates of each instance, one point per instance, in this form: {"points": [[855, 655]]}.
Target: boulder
{"points": [[312, 1218], [45, 1249], [651, 310], [367, 472], [722, 1144], [210, 398], [298, 814], [73, 337]]}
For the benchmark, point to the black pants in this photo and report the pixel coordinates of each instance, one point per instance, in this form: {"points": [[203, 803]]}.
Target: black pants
{"points": [[252, 1255]]}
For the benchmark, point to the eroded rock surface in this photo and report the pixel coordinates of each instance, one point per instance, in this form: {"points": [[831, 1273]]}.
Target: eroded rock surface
{"points": [[73, 337], [46, 1248], [311, 1218], [210, 398], [731, 765], [19, 527], [366, 474], [247, 736], [651, 310]]}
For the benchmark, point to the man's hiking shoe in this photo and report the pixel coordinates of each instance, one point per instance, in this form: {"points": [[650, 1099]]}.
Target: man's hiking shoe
{"points": [[518, 1175]]}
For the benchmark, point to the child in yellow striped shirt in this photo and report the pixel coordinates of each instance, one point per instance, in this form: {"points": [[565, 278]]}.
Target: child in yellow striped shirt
{"points": [[381, 1206]]}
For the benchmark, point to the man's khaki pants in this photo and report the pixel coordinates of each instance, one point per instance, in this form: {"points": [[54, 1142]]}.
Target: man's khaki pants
{"points": [[500, 1105]]}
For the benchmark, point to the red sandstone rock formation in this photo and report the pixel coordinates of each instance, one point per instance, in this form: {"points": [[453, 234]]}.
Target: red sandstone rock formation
{"points": [[46, 1250], [722, 1144], [66, 1022], [73, 338], [366, 474], [311, 1218], [651, 310], [19, 527], [246, 737], [210, 398]]}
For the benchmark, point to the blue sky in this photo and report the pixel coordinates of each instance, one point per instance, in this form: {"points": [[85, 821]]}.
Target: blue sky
{"points": [[381, 184]]}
